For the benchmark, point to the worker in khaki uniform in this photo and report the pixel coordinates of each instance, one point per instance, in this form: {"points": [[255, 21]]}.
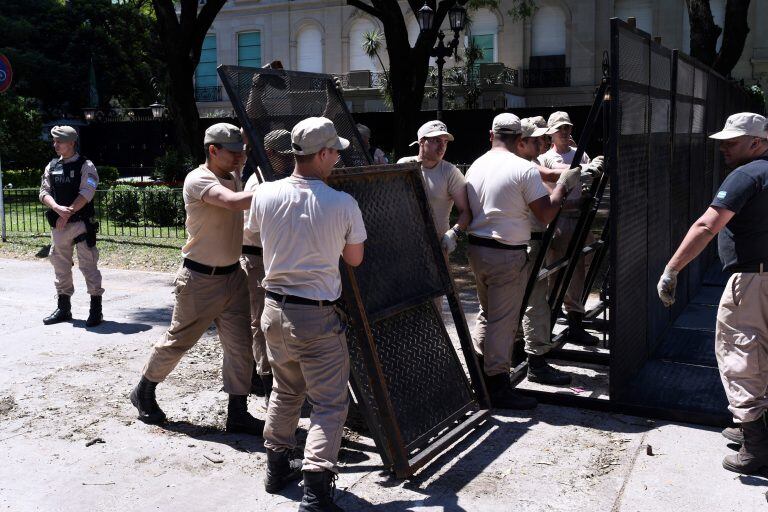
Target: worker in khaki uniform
{"points": [[68, 186], [377, 155], [305, 226], [277, 145], [502, 189], [211, 286], [738, 216], [444, 184], [561, 155]]}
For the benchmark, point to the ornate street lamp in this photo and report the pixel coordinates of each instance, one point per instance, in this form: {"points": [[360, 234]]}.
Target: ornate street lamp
{"points": [[89, 113], [457, 17], [158, 109]]}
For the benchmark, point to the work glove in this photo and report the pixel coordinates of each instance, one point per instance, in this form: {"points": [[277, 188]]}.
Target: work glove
{"points": [[570, 178], [448, 241], [593, 168], [667, 285]]}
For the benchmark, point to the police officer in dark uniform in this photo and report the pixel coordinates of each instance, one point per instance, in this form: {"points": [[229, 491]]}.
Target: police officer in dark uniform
{"points": [[68, 186]]}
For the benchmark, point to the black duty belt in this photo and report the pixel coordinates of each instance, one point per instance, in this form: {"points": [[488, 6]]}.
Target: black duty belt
{"points": [[489, 242], [294, 299], [537, 235], [754, 268], [252, 249], [211, 271]]}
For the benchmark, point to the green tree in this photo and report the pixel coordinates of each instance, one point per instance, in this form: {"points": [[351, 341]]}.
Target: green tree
{"points": [[20, 144]]}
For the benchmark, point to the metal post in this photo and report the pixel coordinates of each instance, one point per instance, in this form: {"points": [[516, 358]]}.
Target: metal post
{"points": [[440, 62], [2, 203]]}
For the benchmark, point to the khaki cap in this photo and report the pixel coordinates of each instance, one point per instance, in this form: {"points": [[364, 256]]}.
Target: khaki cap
{"points": [[279, 140], [506, 123], [228, 135], [529, 128], [364, 130], [556, 120], [539, 121], [64, 133], [744, 123], [315, 133], [432, 129]]}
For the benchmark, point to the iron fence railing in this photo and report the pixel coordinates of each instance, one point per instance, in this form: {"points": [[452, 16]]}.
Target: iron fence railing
{"points": [[552, 77], [211, 93], [134, 212]]}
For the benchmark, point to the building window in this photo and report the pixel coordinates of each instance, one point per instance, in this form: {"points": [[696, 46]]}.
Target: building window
{"points": [[249, 49], [309, 48], [484, 27], [718, 15], [358, 60], [548, 31], [641, 10], [205, 74]]}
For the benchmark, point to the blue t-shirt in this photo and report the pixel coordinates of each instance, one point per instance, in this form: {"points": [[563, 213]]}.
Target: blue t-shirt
{"points": [[744, 240]]}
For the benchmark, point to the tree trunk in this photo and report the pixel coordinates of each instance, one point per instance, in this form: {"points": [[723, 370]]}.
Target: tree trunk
{"points": [[183, 110], [704, 32], [734, 36]]}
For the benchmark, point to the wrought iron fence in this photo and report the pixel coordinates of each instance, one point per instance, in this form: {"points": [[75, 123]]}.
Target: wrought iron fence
{"points": [[211, 93], [122, 211], [548, 77]]}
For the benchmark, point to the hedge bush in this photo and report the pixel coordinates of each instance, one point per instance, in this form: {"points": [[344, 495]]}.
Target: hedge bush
{"points": [[22, 178], [123, 204], [162, 206], [107, 176]]}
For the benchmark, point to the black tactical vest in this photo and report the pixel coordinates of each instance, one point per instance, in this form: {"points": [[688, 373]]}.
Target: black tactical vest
{"points": [[65, 186]]}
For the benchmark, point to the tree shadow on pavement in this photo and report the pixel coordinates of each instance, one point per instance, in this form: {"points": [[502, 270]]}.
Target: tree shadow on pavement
{"points": [[155, 316]]}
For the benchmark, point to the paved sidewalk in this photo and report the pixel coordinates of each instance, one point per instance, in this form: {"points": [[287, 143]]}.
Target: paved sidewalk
{"points": [[69, 439]]}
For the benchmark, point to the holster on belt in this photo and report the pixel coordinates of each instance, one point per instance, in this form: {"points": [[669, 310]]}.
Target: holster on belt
{"points": [[89, 237]]}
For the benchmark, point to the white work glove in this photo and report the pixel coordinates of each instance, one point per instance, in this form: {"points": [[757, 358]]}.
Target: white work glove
{"points": [[593, 168], [570, 178], [667, 285], [448, 241]]}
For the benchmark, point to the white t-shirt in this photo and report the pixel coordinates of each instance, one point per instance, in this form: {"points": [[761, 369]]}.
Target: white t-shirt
{"points": [[304, 225], [249, 237], [441, 183], [500, 186], [552, 156]]}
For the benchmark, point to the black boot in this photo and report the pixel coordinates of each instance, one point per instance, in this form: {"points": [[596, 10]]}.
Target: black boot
{"points": [[94, 315], [734, 434], [63, 311], [239, 420], [281, 470], [503, 396], [541, 372], [752, 458], [257, 385], [143, 398], [577, 334], [318, 492], [267, 383]]}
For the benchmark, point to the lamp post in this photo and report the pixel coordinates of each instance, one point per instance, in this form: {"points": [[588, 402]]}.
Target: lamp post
{"points": [[89, 113], [457, 16], [158, 109]]}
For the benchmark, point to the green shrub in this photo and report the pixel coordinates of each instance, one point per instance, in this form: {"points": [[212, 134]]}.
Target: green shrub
{"points": [[123, 204], [172, 166], [22, 178], [163, 206], [107, 176]]}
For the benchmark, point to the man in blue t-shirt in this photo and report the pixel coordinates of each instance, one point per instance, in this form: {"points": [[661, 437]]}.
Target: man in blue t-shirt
{"points": [[738, 215]]}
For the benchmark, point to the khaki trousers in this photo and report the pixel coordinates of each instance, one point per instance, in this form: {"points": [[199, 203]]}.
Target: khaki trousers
{"points": [[741, 345], [201, 300], [501, 276], [537, 330], [61, 259], [253, 265], [557, 249], [307, 349]]}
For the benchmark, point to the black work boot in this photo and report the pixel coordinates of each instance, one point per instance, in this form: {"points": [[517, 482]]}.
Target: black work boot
{"points": [[576, 333], [94, 315], [752, 458], [541, 372], [63, 311], [257, 385], [143, 398], [503, 395], [239, 420], [267, 383], [318, 492], [734, 434], [281, 470]]}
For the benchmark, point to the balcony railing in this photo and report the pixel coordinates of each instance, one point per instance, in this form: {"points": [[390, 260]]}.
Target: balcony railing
{"points": [[554, 77], [362, 79], [206, 94]]}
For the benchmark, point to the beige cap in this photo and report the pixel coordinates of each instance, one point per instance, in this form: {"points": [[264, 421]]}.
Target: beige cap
{"points": [[506, 123], [556, 120], [64, 133], [364, 130], [432, 129], [315, 133], [744, 123], [228, 135], [539, 121], [278, 140], [529, 128]]}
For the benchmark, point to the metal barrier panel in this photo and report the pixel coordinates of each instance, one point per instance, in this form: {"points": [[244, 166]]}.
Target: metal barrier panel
{"points": [[405, 373]]}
